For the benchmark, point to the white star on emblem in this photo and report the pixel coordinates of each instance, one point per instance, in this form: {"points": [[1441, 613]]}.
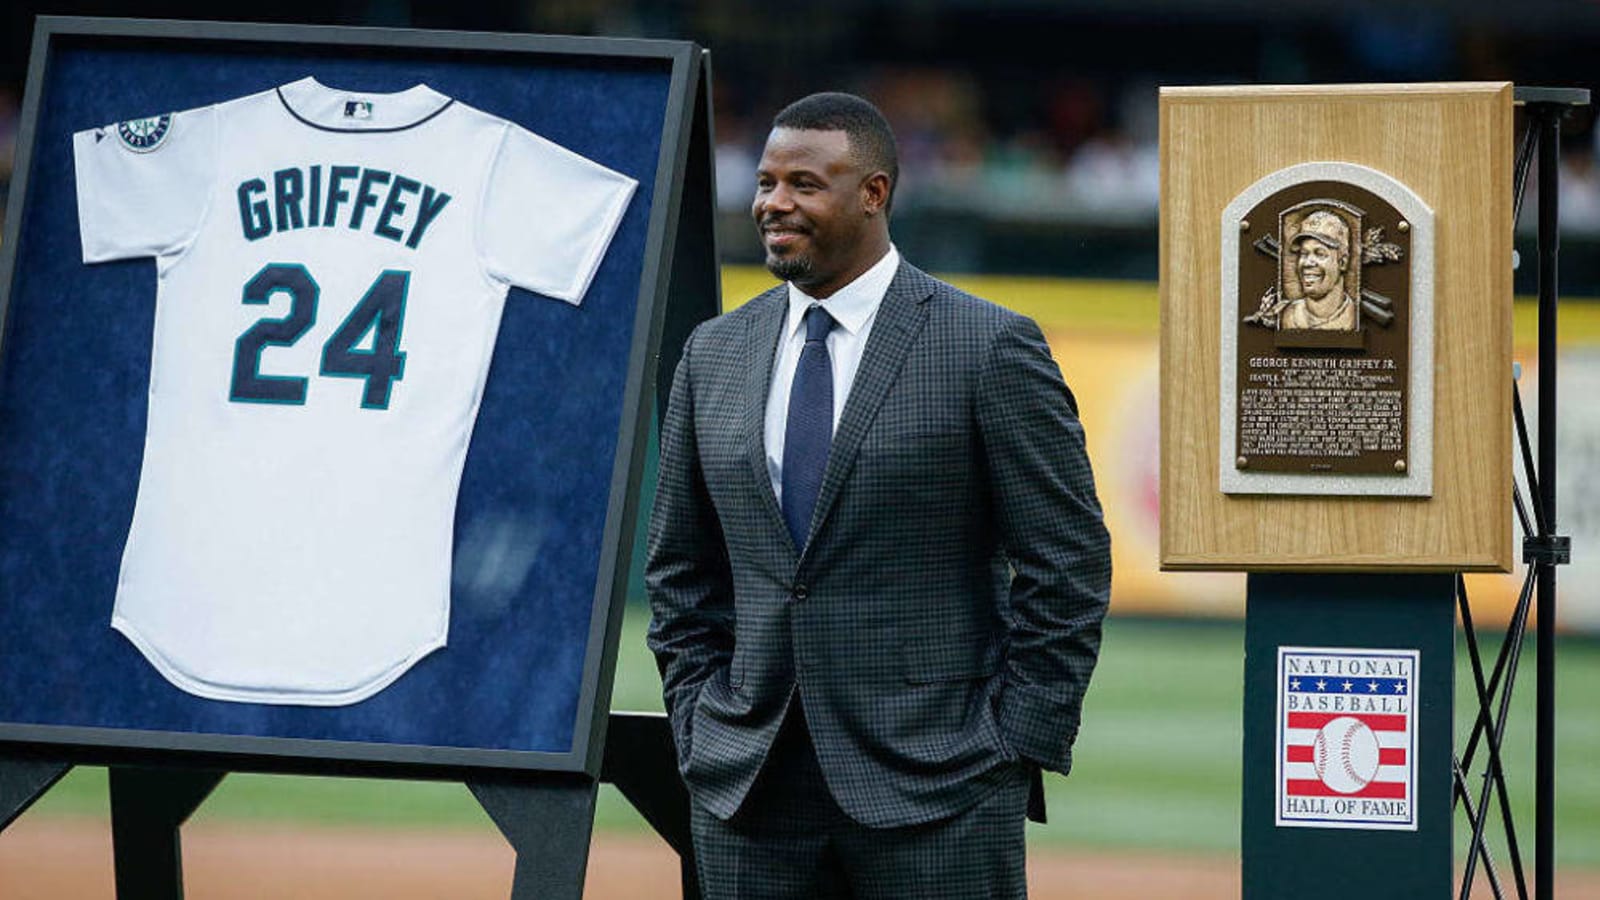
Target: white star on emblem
{"points": [[1372, 686], [1294, 684], [1347, 687], [1321, 685], [1399, 687]]}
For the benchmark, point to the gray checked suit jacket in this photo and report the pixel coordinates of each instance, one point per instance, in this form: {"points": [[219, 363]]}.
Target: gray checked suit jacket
{"points": [[944, 616]]}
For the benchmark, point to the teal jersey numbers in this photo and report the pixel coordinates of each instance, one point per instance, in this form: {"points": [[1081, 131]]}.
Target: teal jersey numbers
{"points": [[380, 314], [249, 385]]}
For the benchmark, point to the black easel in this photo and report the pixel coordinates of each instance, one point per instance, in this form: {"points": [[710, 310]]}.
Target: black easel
{"points": [[640, 759], [148, 806], [546, 818], [23, 781]]}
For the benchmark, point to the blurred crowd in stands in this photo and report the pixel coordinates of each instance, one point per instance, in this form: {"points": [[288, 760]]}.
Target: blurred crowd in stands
{"points": [[9, 112], [1089, 158], [1017, 120]]}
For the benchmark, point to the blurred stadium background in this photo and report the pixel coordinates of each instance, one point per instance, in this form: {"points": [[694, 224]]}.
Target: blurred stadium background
{"points": [[1029, 150]]}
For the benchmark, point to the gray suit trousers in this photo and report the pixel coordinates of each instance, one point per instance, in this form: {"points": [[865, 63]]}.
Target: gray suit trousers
{"points": [[793, 842]]}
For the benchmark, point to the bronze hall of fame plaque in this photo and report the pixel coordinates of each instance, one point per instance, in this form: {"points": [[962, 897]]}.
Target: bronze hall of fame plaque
{"points": [[1327, 335]]}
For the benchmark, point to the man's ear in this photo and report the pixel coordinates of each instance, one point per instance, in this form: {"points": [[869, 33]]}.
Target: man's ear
{"points": [[875, 193]]}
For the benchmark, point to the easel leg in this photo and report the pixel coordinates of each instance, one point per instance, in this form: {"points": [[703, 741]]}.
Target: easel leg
{"points": [[23, 781], [640, 760], [147, 807], [548, 823]]}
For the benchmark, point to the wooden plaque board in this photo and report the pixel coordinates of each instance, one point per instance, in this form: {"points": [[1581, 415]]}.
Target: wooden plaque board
{"points": [[1451, 144]]}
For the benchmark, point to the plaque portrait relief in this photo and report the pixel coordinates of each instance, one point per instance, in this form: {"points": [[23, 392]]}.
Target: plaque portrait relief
{"points": [[1319, 285], [1327, 335], [1319, 264]]}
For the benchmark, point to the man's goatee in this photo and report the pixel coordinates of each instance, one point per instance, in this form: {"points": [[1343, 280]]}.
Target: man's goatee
{"points": [[789, 268]]}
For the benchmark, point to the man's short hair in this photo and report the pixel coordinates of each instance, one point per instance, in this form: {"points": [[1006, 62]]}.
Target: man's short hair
{"points": [[871, 139]]}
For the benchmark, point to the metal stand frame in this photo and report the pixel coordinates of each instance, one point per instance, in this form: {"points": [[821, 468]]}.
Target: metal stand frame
{"points": [[1542, 550]]}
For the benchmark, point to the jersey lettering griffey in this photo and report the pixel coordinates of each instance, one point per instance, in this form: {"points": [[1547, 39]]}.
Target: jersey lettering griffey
{"points": [[331, 270]]}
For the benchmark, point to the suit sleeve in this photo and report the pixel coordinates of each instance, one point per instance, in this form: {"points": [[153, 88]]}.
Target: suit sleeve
{"points": [[1054, 536], [687, 575]]}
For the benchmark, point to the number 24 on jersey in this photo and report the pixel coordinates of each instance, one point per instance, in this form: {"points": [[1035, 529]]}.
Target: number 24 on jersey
{"points": [[380, 313]]}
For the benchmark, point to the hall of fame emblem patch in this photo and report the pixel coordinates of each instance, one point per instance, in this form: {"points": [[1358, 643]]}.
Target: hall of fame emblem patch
{"points": [[144, 135], [1347, 738]]}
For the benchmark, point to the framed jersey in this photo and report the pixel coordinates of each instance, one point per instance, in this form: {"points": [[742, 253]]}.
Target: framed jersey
{"points": [[324, 388]]}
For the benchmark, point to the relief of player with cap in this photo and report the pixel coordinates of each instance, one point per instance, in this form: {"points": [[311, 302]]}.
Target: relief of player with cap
{"points": [[1321, 255]]}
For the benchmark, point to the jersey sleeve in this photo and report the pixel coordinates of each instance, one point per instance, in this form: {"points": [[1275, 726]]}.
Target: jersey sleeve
{"points": [[548, 215], [143, 185]]}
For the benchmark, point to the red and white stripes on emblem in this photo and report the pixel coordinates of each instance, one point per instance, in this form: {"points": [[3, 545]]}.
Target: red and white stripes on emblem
{"points": [[1346, 755]]}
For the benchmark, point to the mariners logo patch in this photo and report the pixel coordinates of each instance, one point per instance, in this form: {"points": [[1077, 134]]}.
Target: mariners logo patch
{"points": [[1347, 738], [144, 135]]}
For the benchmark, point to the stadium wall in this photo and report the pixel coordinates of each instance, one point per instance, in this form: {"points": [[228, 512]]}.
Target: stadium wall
{"points": [[1104, 335]]}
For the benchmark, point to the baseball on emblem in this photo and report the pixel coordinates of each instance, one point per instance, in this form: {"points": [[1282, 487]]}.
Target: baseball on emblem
{"points": [[1346, 755]]}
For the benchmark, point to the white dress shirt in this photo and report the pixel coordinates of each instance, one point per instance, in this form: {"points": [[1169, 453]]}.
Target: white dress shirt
{"points": [[853, 307]]}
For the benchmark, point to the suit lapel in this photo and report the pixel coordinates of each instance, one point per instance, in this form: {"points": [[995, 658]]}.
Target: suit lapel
{"points": [[893, 332], [760, 348]]}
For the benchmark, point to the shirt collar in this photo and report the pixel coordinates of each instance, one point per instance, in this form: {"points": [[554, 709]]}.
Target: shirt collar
{"points": [[853, 305]]}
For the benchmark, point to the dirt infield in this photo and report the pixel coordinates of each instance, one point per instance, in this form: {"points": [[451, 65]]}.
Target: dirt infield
{"points": [[55, 859], [65, 859]]}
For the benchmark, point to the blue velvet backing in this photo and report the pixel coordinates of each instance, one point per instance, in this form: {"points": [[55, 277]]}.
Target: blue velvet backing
{"points": [[533, 500]]}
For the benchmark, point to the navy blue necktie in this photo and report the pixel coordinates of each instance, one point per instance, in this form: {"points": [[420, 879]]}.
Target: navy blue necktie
{"points": [[809, 432]]}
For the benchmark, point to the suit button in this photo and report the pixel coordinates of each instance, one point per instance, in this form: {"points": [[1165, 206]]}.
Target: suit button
{"points": [[800, 592]]}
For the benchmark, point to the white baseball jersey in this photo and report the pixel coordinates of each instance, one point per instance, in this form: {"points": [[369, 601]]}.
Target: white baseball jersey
{"points": [[331, 269]]}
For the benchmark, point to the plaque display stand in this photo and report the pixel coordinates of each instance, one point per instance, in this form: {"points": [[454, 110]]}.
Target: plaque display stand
{"points": [[1339, 574], [1415, 612]]}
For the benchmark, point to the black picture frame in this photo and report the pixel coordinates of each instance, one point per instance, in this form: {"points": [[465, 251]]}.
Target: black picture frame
{"points": [[680, 180]]}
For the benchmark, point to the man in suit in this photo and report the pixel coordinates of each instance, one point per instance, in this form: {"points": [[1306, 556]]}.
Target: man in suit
{"points": [[877, 565]]}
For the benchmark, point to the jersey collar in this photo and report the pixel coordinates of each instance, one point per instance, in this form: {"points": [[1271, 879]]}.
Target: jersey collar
{"points": [[330, 109]]}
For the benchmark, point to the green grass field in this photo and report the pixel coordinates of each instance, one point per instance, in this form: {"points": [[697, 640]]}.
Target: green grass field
{"points": [[1159, 684]]}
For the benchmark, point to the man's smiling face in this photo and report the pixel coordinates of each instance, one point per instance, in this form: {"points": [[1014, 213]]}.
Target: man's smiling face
{"points": [[812, 208]]}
